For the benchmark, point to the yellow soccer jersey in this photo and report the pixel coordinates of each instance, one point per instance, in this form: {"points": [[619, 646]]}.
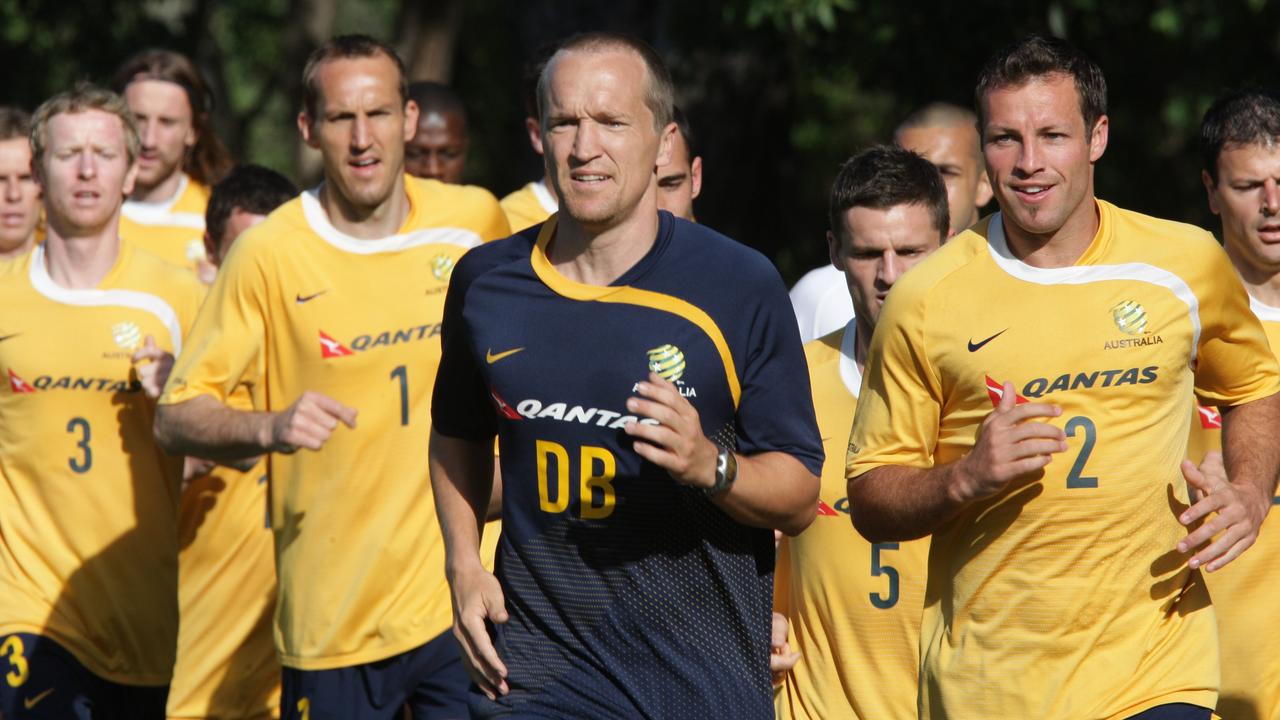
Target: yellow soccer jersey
{"points": [[1064, 597], [1244, 591], [359, 557], [88, 503], [174, 229], [853, 606], [227, 666], [529, 206]]}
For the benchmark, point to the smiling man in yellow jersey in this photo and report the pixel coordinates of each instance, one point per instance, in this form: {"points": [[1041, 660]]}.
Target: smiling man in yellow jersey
{"points": [[226, 666], [88, 502], [1062, 581], [1240, 149], [341, 292], [855, 614], [181, 156]]}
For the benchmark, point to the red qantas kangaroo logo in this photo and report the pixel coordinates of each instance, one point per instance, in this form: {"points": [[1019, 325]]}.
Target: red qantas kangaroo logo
{"points": [[995, 391], [19, 385], [332, 348]]}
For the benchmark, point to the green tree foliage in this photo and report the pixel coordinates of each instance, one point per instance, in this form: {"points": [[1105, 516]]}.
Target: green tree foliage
{"points": [[779, 91]]}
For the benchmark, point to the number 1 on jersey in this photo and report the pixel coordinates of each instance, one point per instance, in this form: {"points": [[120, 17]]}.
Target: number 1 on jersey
{"points": [[401, 374]]}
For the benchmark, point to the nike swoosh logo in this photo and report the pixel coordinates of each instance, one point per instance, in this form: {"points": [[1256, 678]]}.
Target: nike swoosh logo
{"points": [[491, 357], [30, 702], [6, 337], [308, 298], [976, 346]]}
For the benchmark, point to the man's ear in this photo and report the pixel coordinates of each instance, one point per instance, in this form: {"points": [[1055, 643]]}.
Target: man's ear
{"points": [[534, 128], [666, 145], [411, 113], [1211, 190], [308, 132], [1098, 138]]}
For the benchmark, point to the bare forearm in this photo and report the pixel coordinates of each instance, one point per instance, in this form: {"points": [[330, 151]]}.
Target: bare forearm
{"points": [[461, 481], [1249, 449], [772, 490], [495, 495], [206, 428], [892, 503]]}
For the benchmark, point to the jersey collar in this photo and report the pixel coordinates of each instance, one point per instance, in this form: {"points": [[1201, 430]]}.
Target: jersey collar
{"points": [[849, 372]]}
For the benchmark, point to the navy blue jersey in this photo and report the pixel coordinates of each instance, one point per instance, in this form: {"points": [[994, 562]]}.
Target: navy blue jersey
{"points": [[630, 595]]}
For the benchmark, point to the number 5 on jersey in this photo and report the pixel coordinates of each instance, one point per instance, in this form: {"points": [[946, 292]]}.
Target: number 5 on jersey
{"points": [[596, 470]]}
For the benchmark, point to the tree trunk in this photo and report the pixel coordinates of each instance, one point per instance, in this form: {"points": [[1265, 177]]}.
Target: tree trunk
{"points": [[428, 36]]}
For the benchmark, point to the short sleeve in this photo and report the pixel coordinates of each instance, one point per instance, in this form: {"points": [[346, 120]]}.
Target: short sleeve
{"points": [[899, 407], [460, 405], [775, 412], [228, 334], [1235, 364]]}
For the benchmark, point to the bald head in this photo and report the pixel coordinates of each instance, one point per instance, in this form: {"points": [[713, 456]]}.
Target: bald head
{"points": [[947, 136]]}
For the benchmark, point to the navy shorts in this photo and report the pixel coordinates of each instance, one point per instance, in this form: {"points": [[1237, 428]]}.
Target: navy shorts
{"points": [[430, 680], [44, 680], [1175, 711]]}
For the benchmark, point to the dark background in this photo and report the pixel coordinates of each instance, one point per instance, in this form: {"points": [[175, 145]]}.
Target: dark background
{"points": [[778, 91]]}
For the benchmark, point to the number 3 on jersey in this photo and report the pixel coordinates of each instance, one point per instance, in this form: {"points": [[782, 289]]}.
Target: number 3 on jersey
{"points": [[80, 464], [596, 470]]}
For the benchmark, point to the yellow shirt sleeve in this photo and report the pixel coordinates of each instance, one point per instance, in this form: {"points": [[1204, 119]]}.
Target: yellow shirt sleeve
{"points": [[1235, 364], [898, 375], [227, 335]]}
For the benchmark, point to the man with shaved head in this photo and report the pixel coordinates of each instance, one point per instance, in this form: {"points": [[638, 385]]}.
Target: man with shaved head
{"points": [[635, 568]]}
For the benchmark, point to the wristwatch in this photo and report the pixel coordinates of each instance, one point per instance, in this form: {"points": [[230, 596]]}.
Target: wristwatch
{"points": [[726, 472]]}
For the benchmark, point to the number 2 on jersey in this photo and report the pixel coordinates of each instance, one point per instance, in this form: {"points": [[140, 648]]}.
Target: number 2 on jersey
{"points": [[81, 464], [1075, 477]]}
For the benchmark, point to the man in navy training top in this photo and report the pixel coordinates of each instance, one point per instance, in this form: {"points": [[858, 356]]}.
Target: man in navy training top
{"points": [[646, 381]]}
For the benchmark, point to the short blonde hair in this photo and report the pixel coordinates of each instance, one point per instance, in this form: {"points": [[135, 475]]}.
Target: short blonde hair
{"points": [[82, 98]]}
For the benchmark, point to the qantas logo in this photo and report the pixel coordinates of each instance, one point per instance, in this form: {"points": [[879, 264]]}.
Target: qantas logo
{"points": [[67, 382], [504, 409], [331, 348], [995, 391], [840, 507], [19, 385], [1210, 418], [1039, 387], [537, 410]]}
